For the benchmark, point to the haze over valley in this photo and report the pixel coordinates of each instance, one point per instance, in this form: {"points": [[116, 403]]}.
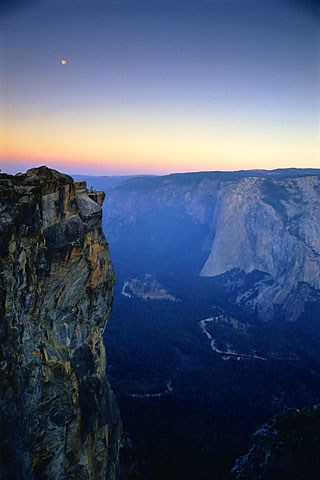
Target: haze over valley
{"points": [[217, 293]]}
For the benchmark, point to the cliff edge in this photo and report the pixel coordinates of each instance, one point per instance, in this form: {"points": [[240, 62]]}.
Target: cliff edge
{"points": [[58, 416]]}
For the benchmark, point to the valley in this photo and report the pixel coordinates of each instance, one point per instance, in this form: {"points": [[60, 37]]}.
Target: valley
{"points": [[256, 349]]}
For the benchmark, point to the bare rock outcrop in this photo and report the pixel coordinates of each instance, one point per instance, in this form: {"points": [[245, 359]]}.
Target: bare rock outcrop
{"points": [[58, 417]]}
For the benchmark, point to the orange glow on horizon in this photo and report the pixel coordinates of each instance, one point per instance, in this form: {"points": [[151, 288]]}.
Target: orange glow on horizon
{"points": [[157, 148]]}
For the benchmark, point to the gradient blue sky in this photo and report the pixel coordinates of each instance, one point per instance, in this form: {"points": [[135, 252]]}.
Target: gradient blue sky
{"points": [[159, 86]]}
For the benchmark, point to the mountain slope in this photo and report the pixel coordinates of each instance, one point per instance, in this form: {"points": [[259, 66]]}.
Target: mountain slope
{"points": [[287, 448], [236, 221]]}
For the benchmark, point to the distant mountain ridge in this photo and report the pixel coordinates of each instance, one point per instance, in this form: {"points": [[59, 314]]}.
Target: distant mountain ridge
{"points": [[264, 220], [112, 181]]}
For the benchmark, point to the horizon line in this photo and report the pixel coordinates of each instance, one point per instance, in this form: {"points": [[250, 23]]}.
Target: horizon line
{"points": [[164, 174]]}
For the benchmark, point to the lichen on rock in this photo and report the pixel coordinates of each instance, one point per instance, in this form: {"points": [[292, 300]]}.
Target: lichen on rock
{"points": [[58, 417]]}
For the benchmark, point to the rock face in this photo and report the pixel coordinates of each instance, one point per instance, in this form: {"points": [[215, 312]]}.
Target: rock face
{"points": [[58, 417], [255, 221], [273, 227], [288, 447]]}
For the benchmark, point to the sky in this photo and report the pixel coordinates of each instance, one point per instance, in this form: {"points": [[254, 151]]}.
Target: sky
{"points": [[159, 86]]}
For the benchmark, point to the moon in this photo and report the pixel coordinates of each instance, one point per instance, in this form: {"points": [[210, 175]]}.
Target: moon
{"points": [[63, 61]]}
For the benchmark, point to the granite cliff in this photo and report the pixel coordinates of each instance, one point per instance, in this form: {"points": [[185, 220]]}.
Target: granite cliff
{"points": [[58, 416], [274, 227]]}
